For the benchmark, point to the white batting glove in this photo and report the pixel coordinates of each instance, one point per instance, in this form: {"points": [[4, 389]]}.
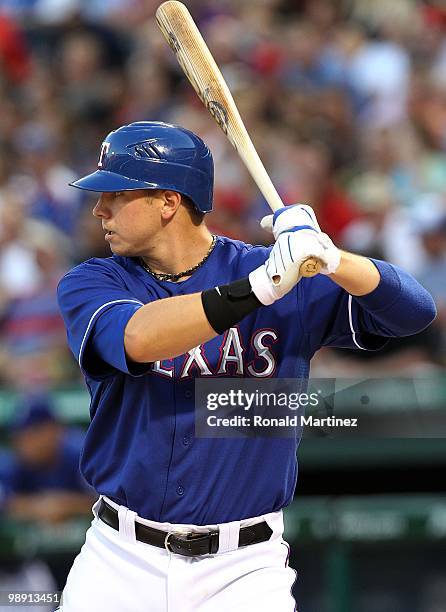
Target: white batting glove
{"points": [[281, 271], [301, 219]]}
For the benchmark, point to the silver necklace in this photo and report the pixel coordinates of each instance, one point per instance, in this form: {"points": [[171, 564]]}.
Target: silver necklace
{"points": [[162, 276]]}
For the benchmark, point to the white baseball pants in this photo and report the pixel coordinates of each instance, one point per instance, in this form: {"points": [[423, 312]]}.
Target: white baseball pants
{"points": [[116, 573]]}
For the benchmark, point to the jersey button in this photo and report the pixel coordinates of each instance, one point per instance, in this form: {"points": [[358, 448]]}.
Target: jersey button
{"points": [[180, 490], [188, 394], [186, 440]]}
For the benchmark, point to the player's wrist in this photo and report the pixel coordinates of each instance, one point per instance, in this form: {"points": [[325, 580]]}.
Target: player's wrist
{"points": [[262, 286], [227, 305], [332, 255]]}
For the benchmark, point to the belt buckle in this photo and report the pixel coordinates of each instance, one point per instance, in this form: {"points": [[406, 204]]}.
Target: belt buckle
{"points": [[178, 532], [190, 535], [166, 541]]}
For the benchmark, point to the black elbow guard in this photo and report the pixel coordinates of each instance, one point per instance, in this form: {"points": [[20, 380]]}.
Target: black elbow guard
{"points": [[227, 305]]}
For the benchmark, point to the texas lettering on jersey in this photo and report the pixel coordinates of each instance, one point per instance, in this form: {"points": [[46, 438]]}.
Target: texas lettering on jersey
{"points": [[232, 358]]}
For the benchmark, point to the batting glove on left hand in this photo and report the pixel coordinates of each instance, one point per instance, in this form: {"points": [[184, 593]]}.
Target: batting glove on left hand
{"points": [[301, 219]]}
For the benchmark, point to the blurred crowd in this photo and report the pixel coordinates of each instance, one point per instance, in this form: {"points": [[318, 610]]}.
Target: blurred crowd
{"points": [[40, 483], [39, 469], [345, 101]]}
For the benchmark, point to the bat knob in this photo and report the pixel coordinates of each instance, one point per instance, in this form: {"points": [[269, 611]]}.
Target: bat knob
{"points": [[310, 267]]}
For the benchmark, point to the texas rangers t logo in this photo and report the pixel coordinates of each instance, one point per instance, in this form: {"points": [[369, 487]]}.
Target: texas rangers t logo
{"points": [[104, 150]]}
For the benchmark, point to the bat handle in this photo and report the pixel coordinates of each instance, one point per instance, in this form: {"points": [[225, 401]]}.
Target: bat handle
{"points": [[310, 267]]}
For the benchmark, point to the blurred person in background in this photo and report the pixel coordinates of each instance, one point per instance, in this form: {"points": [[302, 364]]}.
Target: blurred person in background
{"points": [[90, 88], [310, 63], [410, 163], [44, 481], [18, 269], [32, 257], [40, 482], [6, 466], [43, 178], [376, 72], [383, 230], [431, 227], [14, 53]]}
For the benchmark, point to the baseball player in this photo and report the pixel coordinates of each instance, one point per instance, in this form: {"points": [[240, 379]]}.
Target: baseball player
{"points": [[185, 523]]}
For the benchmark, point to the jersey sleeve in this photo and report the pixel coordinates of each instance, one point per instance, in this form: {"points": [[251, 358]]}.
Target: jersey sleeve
{"points": [[398, 307], [96, 307]]}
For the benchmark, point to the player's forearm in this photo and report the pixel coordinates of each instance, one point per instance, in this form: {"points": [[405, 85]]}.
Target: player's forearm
{"points": [[356, 274], [167, 328], [172, 326]]}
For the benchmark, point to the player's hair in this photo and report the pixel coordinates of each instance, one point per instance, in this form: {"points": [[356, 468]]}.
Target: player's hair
{"points": [[196, 215]]}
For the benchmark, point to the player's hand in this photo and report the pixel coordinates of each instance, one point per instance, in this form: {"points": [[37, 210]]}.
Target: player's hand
{"points": [[281, 271], [300, 219]]}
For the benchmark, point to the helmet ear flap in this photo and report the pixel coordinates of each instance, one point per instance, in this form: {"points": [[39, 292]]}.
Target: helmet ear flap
{"points": [[154, 155]]}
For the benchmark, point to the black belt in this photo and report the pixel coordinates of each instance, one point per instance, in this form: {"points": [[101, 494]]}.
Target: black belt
{"points": [[188, 544]]}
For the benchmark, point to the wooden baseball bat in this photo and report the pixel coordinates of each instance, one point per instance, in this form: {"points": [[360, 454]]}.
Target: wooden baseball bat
{"points": [[194, 57]]}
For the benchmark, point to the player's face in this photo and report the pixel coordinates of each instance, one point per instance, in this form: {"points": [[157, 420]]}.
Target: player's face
{"points": [[130, 219]]}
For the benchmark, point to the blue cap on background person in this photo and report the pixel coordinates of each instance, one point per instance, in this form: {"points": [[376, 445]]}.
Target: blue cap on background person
{"points": [[32, 410]]}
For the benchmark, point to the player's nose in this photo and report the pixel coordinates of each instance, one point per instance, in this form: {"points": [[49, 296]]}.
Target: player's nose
{"points": [[101, 210]]}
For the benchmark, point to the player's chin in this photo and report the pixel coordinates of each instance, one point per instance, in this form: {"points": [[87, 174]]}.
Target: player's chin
{"points": [[121, 249], [120, 246], [125, 250]]}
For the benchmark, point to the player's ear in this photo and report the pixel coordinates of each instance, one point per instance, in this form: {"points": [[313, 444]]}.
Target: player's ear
{"points": [[172, 201]]}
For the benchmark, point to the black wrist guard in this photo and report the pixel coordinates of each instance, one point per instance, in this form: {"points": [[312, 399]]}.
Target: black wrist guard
{"points": [[227, 305]]}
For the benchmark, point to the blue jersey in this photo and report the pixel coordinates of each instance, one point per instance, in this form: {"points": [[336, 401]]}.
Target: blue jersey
{"points": [[140, 448]]}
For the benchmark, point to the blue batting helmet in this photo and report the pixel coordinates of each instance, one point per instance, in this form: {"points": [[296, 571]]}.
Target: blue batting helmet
{"points": [[154, 155]]}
